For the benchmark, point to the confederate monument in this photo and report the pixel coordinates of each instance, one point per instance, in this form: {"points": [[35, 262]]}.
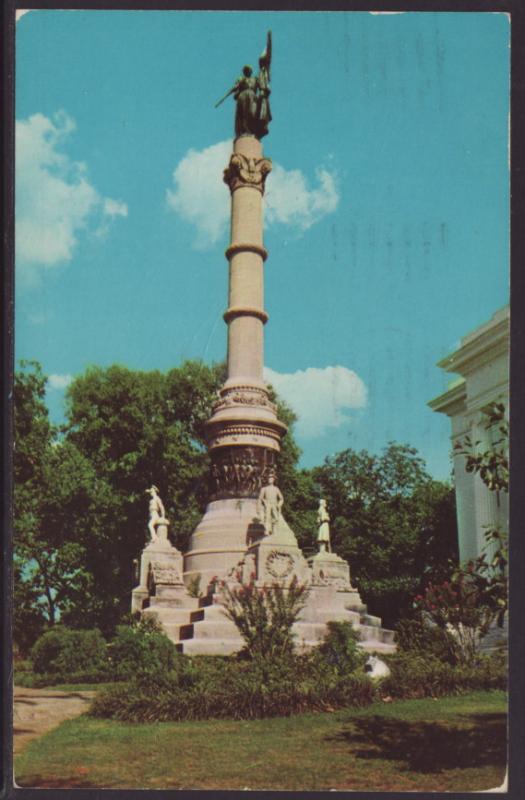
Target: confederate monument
{"points": [[243, 532]]}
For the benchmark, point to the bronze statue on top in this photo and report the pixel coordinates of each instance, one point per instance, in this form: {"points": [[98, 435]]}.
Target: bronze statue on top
{"points": [[252, 95]]}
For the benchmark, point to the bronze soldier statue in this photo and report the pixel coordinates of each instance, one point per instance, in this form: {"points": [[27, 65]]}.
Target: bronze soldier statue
{"points": [[252, 112]]}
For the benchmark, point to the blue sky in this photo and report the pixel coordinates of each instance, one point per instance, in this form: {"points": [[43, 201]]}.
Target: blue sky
{"points": [[386, 212]]}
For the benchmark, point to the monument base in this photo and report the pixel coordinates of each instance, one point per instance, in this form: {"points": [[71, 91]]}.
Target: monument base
{"points": [[221, 538], [200, 626]]}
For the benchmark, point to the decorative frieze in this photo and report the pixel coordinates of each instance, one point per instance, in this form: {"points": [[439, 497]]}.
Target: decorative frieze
{"points": [[239, 471], [244, 396]]}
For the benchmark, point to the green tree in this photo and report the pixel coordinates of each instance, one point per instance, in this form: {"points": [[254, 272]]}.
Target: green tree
{"points": [[394, 524], [53, 486], [138, 428]]}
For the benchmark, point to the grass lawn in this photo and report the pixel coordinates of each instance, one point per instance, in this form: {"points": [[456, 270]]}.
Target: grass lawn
{"points": [[455, 743]]}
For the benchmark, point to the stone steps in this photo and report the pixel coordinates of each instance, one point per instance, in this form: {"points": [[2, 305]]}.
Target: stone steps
{"points": [[168, 615], [183, 601], [378, 647], [199, 626], [372, 633], [209, 630], [369, 619], [209, 647], [323, 616]]}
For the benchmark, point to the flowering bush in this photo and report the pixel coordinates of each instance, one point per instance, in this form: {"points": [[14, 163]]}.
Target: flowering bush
{"points": [[417, 636], [463, 606], [264, 615]]}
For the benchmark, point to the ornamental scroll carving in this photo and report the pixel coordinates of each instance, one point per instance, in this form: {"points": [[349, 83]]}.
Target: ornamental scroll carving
{"points": [[279, 564], [244, 171]]}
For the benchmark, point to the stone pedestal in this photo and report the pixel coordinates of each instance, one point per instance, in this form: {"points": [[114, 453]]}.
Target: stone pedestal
{"points": [[329, 569], [161, 564], [278, 558]]}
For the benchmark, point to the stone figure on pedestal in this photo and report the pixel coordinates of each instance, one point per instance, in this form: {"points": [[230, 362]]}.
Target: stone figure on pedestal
{"points": [[323, 521], [269, 504], [157, 514]]}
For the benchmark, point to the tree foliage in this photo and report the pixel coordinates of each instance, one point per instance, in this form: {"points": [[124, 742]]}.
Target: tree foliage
{"points": [[81, 509], [80, 504], [53, 497], [392, 522]]}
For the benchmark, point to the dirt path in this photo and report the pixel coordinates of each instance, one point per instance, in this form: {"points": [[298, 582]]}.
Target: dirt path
{"points": [[37, 711]]}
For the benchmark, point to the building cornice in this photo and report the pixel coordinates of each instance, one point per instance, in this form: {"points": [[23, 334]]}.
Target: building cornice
{"points": [[491, 342], [452, 401]]}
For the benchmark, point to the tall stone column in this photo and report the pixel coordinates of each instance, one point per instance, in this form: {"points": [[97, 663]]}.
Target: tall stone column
{"points": [[243, 433]]}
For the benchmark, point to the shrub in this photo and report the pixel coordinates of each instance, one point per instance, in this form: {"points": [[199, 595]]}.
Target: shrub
{"points": [[340, 648], [417, 636], [264, 615], [460, 604], [23, 665], [235, 689], [37, 681], [415, 676], [194, 586], [141, 647], [62, 651]]}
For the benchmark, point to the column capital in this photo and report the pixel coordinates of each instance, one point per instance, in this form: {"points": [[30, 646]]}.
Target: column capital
{"points": [[247, 171]]}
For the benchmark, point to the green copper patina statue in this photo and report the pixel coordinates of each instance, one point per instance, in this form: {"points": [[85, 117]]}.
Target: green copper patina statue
{"points": [[252, 95]]}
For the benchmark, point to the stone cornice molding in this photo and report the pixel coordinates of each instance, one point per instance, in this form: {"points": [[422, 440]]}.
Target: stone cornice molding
{"points": [[242, 247], [452, 401], [245, 311], [476, 352]]}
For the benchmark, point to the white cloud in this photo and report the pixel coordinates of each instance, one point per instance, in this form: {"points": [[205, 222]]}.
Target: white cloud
{"points": [[59, 382], [114, 208], [319, 397], [291, 202], [200, 197], [54, 198]]}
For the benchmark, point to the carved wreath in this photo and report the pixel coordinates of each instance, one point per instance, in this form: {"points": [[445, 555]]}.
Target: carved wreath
{"points": [[279, 565]]}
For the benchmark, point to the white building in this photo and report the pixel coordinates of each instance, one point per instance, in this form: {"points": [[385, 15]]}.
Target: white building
{"points": [[482, 362]]}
